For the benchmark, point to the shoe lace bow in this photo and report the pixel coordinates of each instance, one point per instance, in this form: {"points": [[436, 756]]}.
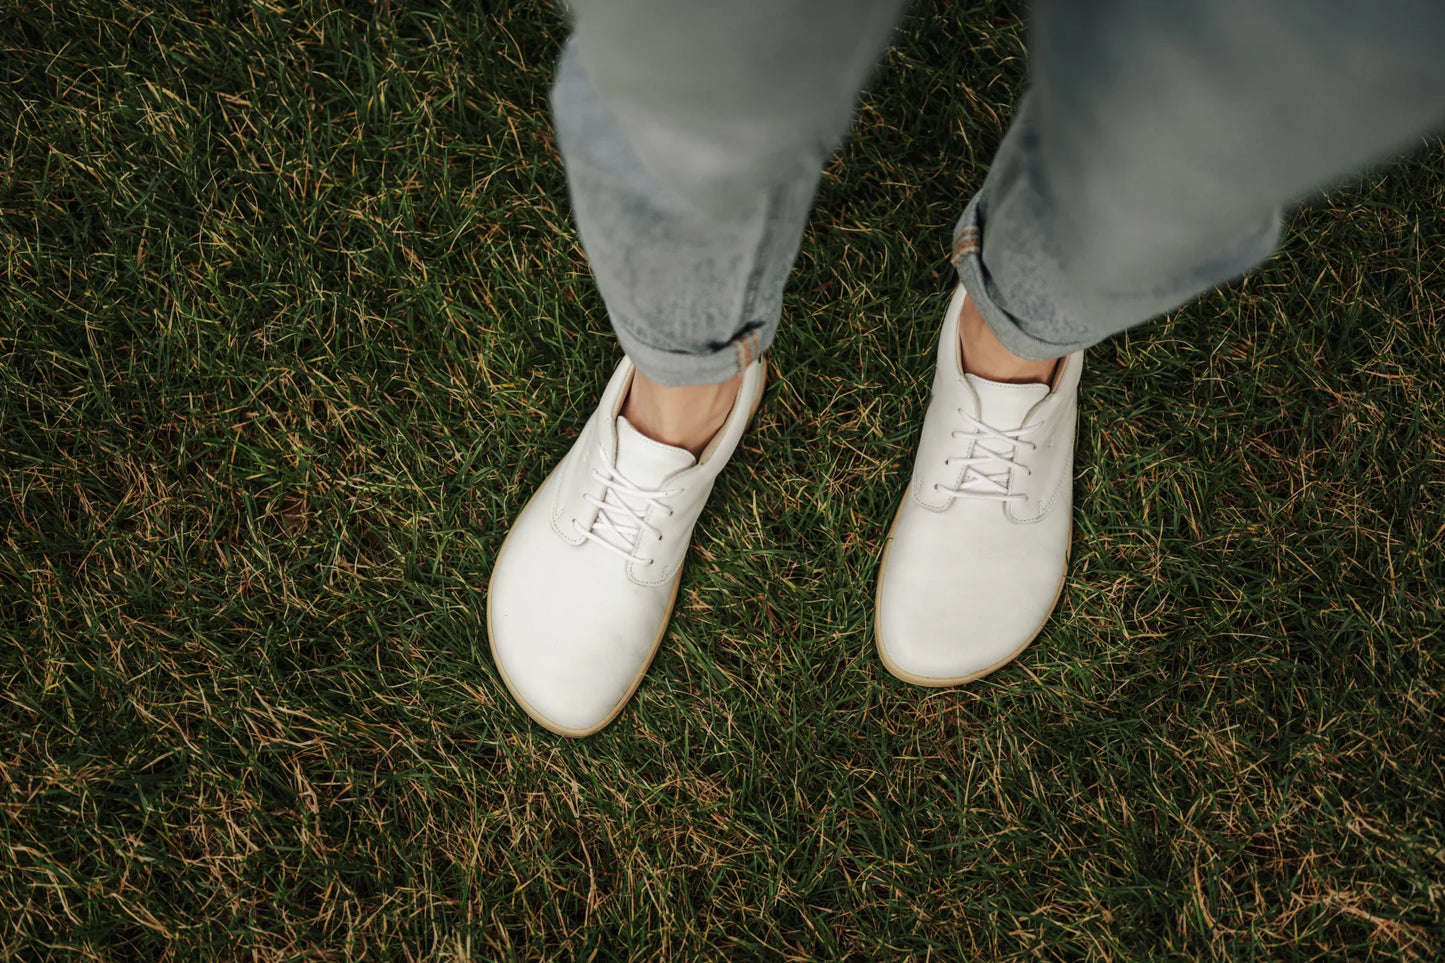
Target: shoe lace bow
{"points": [[622, 511], [987, 473]]}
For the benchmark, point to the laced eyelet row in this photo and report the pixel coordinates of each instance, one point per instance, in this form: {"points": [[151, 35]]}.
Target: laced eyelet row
{"points": [[994, 484], [620, 523]]}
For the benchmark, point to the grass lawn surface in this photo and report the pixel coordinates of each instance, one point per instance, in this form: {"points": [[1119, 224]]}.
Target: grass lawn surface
{"points": [[294, 321]]}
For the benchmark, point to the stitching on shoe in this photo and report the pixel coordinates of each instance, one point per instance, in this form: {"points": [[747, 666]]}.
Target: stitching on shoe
{"points": [[664, 576], [1046, 504], [1066, 477], [558, 506]]}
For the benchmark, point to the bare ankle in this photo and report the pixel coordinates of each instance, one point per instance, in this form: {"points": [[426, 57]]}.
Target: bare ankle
{"points": [[983, 354], [685, 417]]}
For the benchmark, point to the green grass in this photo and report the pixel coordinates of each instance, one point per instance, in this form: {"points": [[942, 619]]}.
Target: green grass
{"points": [[294, 321]]}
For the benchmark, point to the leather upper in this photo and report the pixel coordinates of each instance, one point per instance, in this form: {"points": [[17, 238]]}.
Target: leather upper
{"points": [[573, 624], [967, 581]]}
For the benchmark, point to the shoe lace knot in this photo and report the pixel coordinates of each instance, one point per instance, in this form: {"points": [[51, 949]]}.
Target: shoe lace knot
{"points": [[622, 511], [988, 472]]}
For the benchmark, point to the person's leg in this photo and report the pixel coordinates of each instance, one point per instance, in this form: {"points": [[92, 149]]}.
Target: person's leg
{"points": [[1148, 164], [693, 133], [1161, 140]]}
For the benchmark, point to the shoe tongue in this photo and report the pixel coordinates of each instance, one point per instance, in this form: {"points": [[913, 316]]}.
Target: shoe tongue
{"points": [[645, 462], [1005, 406]]}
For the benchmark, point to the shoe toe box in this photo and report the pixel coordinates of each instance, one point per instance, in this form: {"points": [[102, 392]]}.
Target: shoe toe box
{"points": [[570, 675], [944, 618], [951, 640], [571, 634]]}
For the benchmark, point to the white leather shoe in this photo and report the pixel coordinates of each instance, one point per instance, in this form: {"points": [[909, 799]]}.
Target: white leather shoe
{"points": [[978, 550], [585, 582]]}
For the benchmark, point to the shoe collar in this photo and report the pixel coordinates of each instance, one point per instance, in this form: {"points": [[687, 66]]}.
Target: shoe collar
{"points": [[1001, 405]]}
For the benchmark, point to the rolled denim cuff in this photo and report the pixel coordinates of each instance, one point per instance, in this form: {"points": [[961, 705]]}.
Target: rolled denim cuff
{"points": [[967, 258], [1083, 313], [681, 369]]}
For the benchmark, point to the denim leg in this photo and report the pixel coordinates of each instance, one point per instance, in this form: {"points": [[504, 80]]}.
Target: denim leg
{"points": [[693, 133], [1159, 142]]}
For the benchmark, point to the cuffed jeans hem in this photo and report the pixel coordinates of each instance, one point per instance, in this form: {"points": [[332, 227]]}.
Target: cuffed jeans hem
{"points": [[680, 369], [968, 260], [1004, 326], [1123, 310]]}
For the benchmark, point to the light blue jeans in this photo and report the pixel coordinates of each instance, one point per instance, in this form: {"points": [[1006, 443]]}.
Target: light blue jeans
{"points": [[1147, 164]]}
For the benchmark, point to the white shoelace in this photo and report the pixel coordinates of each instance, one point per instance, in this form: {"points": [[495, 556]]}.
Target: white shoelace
{"points": [[618, 522], [993, 484]]}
